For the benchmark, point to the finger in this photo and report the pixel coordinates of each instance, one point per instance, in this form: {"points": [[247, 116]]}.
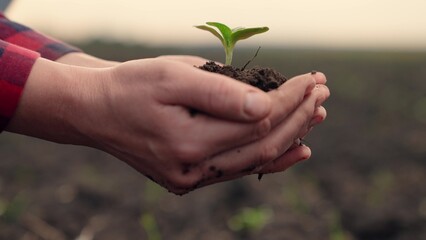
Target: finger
{"points": [[237, 134], [205, 136], [319, 116], [319, 77], [216, 95], [325, 94], [258, 153], [289, 96], [287, 160], [281, 164], [241, 134]]}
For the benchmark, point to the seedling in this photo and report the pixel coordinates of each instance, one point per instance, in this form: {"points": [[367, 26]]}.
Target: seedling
{"points": [[229, 37], [250, 220]]}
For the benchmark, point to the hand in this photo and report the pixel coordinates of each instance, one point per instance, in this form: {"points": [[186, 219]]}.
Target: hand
{"points": [[280, 148], [139, 111], [183, 152]]}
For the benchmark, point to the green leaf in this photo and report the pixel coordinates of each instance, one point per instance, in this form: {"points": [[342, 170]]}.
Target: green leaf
{"points": [[213, 31], [230, 37], [225, 30], [244, 33]]}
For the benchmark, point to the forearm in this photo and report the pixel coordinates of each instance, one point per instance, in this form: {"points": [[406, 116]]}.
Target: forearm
{"points": [[85, 60], [50, 103]]}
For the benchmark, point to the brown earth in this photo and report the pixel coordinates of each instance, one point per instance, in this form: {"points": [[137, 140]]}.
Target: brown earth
{"points": [[265, 79]]}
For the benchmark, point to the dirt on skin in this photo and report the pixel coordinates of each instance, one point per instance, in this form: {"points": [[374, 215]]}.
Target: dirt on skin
{"points": [[265, 79]]}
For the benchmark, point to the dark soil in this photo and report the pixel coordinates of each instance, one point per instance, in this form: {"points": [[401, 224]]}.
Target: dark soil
{"points": [[266, 79]]}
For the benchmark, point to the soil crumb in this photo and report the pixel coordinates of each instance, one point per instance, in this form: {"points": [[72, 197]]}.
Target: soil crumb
{"points": [[266, 79]]}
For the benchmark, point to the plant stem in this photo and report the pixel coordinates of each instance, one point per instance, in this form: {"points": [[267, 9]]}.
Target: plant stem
{"points": [[228, 53]]}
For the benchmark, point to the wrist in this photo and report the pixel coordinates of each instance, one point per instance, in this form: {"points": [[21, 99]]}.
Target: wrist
{"points": [[85, 60], [50, 103]]}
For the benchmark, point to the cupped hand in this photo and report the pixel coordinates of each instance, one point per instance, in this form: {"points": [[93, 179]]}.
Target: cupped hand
{"points": [[148, 121], [181, 126], [291, 117]]}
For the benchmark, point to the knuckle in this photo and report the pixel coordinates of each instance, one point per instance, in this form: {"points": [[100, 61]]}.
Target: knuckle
{"points": [[161, 69], [262, 129], [150, 69], [220, 88]]}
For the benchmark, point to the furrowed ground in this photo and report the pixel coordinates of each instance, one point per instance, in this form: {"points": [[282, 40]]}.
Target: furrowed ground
{"points": [[365, 179]]}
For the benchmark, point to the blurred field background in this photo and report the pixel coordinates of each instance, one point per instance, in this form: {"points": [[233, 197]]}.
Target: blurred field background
{"points": [[365, 180]]}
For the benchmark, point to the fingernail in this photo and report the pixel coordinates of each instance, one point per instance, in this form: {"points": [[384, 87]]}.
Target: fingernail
{"points": [[256, 104]]}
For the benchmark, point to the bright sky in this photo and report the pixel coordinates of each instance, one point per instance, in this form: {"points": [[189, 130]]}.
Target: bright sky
{"points": [[304, 23]]}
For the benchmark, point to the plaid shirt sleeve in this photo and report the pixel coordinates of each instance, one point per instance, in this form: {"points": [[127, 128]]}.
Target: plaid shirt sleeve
{"points": [[19, 48], [15, 66], [25, 37]]}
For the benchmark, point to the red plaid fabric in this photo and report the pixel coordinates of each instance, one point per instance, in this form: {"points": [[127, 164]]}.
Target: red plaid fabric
{"points": [[19, 48], [15, 66], [23, 36]]}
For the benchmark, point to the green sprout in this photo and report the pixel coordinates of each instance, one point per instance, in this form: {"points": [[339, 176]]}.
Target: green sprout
{"points": [[229, 37], [249, 220]]}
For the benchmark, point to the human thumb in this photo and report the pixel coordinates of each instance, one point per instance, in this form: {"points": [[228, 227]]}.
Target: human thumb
{"points": [[224, 97]]}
